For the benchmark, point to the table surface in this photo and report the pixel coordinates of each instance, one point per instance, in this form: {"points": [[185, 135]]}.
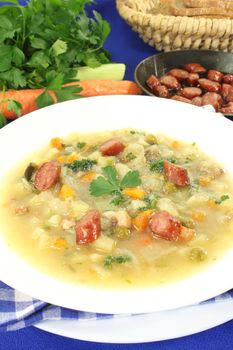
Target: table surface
{"points": [[125, 46]]}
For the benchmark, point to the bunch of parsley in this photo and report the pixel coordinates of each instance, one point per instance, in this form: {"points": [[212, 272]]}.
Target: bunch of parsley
{"points": [[42, 43]]}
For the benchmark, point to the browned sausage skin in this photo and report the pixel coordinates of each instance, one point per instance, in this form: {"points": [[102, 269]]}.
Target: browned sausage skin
{"points": [[190, 92], [209, 85], [88, 228], [212, 98], [215, 75], [152, 81], [170, 82], [164, 225], [181, 99], [193, 79], [111, 147], [228, 78], [178, 73], [196, 85], [194, 68], [47, 175], [176, 174]]}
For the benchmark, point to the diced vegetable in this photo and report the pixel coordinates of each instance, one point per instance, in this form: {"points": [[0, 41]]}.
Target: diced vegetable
{"points": [[134, 193], [66, 192], [205, 181], [104, 244], [60, 243], [197, 254], [120, 218], [57, 143], [141, 221], [88, 177], [122, 233], [186, 234], [198, 216], [151, 139]]}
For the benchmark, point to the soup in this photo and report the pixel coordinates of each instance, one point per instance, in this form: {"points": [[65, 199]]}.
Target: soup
{"points": [[118, 209]]}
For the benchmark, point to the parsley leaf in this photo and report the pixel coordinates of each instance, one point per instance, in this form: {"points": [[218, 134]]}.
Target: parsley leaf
{"points": [[119, 259], [81, 165], [222, 199], [111, 184], [100, 187], [15, 106], [43, 43], [44, 100], [81, 145], [131, 179], [2, 120]]}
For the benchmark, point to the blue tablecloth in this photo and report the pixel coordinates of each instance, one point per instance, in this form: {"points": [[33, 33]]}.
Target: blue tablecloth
{"points": [[127, 47]]}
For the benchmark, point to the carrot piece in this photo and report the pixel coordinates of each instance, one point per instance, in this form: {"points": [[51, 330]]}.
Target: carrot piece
{"points": [[60, 243], [205, 181], [66, 192], [27, 97], [107, 87], [72, 157], [186, 234], [134, 192], [140, 222], [57, 143], [61, 159], [88, 177], [176, 145], [198, 216], [211, 203]]}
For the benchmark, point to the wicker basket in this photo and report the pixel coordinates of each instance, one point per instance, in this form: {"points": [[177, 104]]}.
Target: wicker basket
{"points": [[166, 32]]}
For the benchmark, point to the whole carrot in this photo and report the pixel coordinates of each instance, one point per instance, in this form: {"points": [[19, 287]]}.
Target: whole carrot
{"points": [[27, 97]]}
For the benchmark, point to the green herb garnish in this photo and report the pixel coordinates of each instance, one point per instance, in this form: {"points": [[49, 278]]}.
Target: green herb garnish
{"points": [[81, 165], [43, 43], [158, 165], [151, 202], [2, 120], [110, 184], [120, 259], [130, 156], [81, 145], [222, 199]]}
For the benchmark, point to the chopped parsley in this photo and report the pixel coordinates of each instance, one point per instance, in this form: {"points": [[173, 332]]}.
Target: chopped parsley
{"points": [[119, 259], [81, 165], [151, 202], [130, 156], [158, 164], [81, 145], [222, 199]]}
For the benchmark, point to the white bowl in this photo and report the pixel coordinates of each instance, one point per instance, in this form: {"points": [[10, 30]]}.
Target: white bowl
{"points": [[212, 132]]}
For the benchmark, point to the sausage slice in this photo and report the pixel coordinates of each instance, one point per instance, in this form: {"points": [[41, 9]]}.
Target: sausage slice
{"points": [[176, 174], [47, 175], [111, 147], [194, 68], [88, 228], [164, 225]]}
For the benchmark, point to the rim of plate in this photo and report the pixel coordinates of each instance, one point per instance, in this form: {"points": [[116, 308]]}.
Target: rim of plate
{"points": [[147, 113]]}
